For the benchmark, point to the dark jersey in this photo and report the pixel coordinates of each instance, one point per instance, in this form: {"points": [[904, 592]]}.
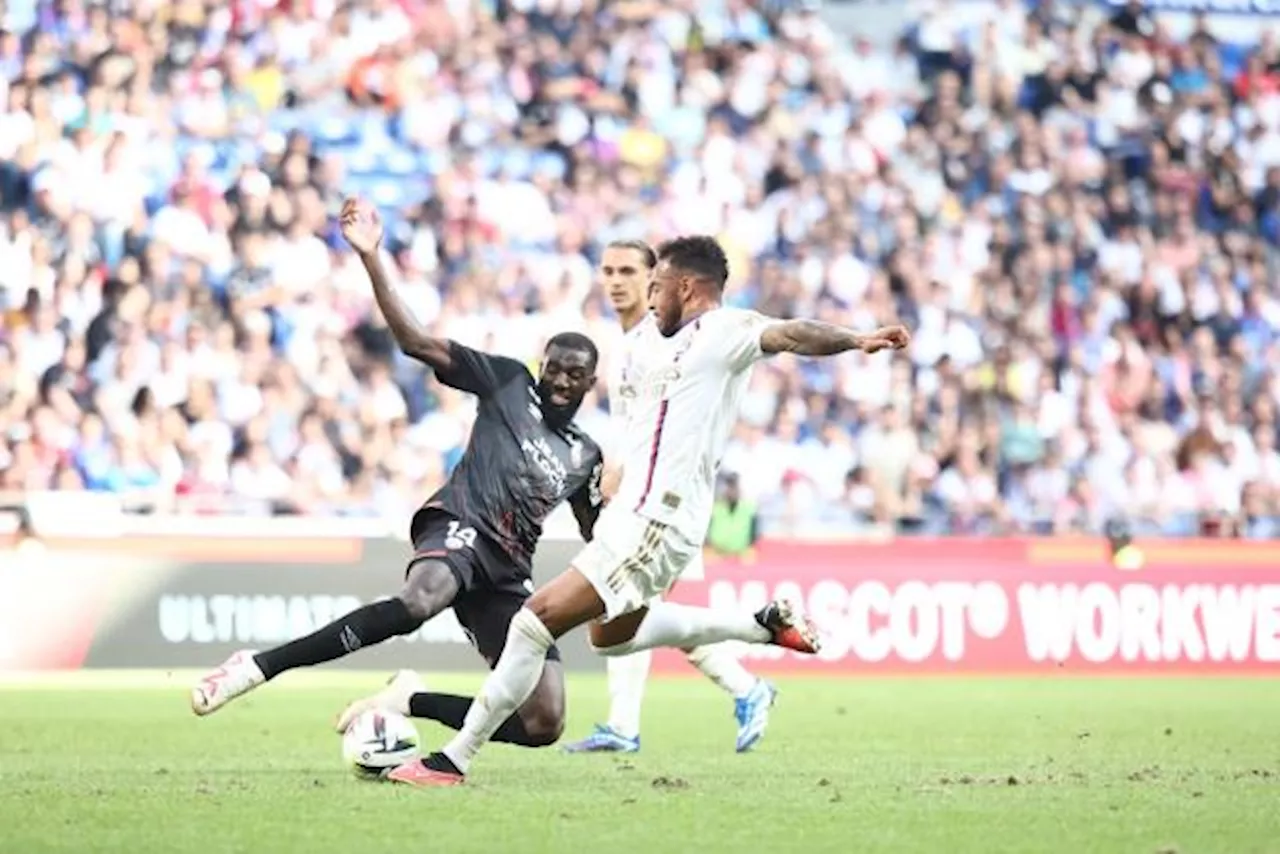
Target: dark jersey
{"points": [[516, 468]]}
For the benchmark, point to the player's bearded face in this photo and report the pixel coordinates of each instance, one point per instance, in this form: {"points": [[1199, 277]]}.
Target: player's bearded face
{"points": [[664, 299], [567, 376]]}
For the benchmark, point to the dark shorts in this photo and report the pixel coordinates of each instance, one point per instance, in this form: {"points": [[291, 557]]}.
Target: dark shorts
{"points": [[491, 589]]}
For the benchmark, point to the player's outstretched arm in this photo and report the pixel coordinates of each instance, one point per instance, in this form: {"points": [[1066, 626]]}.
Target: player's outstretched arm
{"points": [[815, 338], [362, 228]]}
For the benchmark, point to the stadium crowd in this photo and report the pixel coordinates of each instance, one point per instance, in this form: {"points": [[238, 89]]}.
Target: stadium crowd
{"points": [[1077, 215]]}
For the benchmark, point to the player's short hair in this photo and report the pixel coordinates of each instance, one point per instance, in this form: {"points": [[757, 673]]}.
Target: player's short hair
{"points": [[646, 251], [576, 341], [697, 255]]}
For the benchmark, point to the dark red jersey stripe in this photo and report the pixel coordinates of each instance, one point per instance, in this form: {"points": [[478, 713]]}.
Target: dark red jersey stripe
{"points": [[653, 454]]}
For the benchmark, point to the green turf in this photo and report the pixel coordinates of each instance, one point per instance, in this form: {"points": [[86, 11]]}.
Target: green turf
{"points": [[943, 765]]}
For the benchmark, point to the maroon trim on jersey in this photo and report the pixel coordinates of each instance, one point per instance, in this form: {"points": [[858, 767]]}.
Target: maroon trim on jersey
{"points": [[657, 432], [653, 455]]}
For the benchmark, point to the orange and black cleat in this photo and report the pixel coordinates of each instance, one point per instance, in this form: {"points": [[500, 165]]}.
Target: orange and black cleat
{"points": [[416, 773], [789, 628]]}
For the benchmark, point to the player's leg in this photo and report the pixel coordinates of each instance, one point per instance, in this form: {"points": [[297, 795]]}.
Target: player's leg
{"points": [[486, 616], [630, 561], [570, 600], [626, 680], [542, 714], [626, 676], [429, 589], [753, 697], [681, 626], [564, 604], [537, 723], [440, 569]]}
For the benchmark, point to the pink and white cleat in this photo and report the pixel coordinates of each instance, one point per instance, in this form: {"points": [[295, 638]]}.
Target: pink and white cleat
{"points": [[394, 697], [238, 675]]}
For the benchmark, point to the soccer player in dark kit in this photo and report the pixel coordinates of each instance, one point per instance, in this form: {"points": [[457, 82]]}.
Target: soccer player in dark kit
{"points": [[474, 539]]}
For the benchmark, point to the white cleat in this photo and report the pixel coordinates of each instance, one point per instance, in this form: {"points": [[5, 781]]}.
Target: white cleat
{"points": [[394, 697], [237, 675]]}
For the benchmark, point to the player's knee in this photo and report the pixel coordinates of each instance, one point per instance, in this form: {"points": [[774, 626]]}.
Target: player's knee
{"points": [[429, 589], [543, 722], [541, 606]]}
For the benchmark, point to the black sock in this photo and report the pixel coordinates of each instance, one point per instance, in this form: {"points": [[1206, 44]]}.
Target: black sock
{"points": [[363, 627], [450, 710]]}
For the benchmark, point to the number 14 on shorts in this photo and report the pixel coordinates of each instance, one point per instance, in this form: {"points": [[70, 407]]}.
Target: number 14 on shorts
{"points": [[458, 537]]}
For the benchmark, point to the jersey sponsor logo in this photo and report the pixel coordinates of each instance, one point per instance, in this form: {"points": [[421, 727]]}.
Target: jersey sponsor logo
{"points": [[458, 537], [538, 451], [650, 385]]}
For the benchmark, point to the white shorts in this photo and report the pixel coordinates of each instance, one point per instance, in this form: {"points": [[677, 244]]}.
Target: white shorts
{"points": [[694, 570], [632, 560]]}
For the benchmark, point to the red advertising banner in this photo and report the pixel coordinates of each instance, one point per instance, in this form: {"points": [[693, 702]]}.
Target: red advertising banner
{"points": [[1010, 606]]}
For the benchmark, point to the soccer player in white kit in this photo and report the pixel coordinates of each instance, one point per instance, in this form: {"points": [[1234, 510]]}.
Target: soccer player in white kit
{"points": [[688, 388], [624, 272]]}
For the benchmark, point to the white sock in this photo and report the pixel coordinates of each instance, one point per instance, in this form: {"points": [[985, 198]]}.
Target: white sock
{"points": [[684, 626], [627, 675], [718, 663], [513, 679]]}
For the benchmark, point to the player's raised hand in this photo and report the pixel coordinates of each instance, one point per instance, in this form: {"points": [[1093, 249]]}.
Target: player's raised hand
{"points": [[361, 226]]}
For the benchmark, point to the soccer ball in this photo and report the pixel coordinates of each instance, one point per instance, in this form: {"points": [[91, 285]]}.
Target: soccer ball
{"points": [[378, 741]]}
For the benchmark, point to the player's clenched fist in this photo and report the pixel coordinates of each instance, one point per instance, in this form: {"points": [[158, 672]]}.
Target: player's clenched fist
{"points": [[361, 226], [888, 338]]}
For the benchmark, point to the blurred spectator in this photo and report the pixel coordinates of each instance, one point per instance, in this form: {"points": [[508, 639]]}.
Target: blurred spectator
{"points": [[1078, 215], [735, 525]]}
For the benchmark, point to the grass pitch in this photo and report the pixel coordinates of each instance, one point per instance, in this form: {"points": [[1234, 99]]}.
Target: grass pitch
{"points": [[116, 762]]}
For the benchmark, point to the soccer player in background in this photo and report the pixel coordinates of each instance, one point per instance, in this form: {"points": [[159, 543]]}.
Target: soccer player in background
{"points": [[688, 390], [625, 271], [474, 539]]}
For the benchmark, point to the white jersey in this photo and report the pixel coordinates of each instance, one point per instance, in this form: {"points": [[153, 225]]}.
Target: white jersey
{"points": [[636, 342], [680, 398]]}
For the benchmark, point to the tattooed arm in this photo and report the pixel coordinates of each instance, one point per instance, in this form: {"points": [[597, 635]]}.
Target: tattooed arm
{"points": [[815, 338]]}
